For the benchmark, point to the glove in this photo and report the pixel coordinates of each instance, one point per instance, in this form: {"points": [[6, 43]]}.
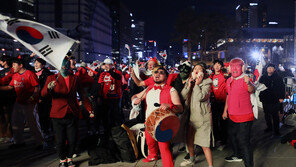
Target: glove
{"points": [[91, 114], [83, 64], [51, 85]]}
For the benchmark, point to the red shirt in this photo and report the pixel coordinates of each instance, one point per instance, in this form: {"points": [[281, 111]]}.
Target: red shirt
{"points": [[127, 76], [219, 87], [111, 87], [24, 85]]}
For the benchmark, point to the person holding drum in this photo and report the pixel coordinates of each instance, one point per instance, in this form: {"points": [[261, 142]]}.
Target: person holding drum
{"points": [[199, 131], [161, 98]]}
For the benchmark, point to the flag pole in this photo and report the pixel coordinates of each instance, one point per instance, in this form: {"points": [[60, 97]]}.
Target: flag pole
{"points": [[74, 50], [76, 47]]}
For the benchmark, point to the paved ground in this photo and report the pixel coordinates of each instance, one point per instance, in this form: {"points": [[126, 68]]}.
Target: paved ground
{"points": [[268, 152]]}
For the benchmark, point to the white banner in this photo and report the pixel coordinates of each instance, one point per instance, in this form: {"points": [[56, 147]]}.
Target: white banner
{"points": [[259, 68], [129, 50], [47, 43], [258, 74]]}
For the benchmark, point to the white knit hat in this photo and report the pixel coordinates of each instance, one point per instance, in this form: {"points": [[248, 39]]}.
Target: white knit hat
{"points": [[108, 61]]}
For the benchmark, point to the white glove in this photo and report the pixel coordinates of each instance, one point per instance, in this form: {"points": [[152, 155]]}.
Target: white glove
{"points": [[51, 85]]}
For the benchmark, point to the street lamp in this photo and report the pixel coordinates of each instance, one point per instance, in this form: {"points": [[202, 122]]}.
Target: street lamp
{"points": [[255, 54]]}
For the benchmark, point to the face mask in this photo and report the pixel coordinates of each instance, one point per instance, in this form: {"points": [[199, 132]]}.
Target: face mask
{"points": [[236, 70], [184, 76], [196, 75], [184, 72], [65, 71], [38, 69]]}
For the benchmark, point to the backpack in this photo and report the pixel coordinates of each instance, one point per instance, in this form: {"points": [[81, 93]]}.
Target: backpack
{"points": [[123, 143], [102, 151]]}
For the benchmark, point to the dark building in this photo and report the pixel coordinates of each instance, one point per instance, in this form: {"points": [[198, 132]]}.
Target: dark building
{"points": [[23, 9], [138, 29], [88, 21], [277, 44], [150, 49], [252, 14], [262, 16], [270, 13], [173, 53], [121, 30], [242, 15]]}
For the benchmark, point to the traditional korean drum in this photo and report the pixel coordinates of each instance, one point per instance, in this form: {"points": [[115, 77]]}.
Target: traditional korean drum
{"points": [[162, 125]]}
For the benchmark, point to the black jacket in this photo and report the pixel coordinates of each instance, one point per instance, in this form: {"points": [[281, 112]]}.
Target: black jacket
{"points": [[275, 89], [42, 78]]}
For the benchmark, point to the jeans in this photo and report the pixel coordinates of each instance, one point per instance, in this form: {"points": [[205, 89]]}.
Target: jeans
{"points": [[43, 112], [66, 133], [239, 135], [29, 113], [271, 113]]}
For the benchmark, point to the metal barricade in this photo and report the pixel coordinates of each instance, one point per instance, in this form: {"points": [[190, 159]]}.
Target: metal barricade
{"points": [[290, 90], [290, 85]]}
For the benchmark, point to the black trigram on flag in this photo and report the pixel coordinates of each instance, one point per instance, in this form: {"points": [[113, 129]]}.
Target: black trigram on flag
{"points": [[46, 50], [11, 21], [53, 34]]}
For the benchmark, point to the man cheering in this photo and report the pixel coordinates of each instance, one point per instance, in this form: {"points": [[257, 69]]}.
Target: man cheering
{"points": [[240, 113], [26, 85], [167, 97]]}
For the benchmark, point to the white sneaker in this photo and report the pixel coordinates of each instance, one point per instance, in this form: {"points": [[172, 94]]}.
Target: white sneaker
{"points": [[186, 162], [74, 156]]}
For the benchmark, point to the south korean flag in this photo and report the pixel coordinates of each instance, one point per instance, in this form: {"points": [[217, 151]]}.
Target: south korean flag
{"points": [[47, 43]]}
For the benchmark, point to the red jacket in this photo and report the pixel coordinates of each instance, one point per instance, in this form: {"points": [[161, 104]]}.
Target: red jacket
{"points": [[64, 101], [84, 78]]}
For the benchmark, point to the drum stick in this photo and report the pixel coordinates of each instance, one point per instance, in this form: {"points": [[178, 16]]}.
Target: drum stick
{"points": [[144, 93]]}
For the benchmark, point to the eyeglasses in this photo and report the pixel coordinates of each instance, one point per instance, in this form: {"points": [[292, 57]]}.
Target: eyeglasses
{"points": [[160, 72]]}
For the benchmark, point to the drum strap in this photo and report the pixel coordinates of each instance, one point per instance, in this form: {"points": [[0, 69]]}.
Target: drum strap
{"points": [[141, 137], [144, 93]]}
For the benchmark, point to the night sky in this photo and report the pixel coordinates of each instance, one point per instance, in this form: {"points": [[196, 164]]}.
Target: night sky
{"points": [[160, 15]]}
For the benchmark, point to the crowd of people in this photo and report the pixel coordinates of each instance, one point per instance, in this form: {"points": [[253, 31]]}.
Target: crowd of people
{"points": [[213, 103]]}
